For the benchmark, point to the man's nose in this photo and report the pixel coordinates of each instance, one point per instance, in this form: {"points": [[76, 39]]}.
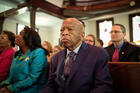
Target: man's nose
{"points": [[65, 32]]}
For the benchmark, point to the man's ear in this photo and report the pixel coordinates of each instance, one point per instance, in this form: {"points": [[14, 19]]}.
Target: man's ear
{"points": [[82, 35], [124, 34]]}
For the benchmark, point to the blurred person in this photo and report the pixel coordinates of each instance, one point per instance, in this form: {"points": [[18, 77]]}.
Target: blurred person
{"points": [[80, 67], [90, 39], [28, 69], [47, 45], [7, 39], [15, 48], [99, 43], [110, 42], [57, 48], [133, 43], [121, 50]]}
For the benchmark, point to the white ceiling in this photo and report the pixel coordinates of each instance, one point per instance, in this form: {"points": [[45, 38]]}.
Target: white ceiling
{"points": [[42, 19]]}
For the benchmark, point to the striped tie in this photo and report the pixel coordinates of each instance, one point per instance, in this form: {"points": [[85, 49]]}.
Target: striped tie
{"points": [[68, 64]]}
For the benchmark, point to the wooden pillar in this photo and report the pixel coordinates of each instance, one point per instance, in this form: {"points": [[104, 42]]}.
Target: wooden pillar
{"points": [[33, 17], [1, 24]]}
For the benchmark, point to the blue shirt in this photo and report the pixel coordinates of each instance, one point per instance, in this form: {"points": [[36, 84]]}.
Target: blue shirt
{"points": [[120, 46]]}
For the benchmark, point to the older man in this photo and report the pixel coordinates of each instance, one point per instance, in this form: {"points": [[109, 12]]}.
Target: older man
{"points": [[80, 67], [120, 50]]}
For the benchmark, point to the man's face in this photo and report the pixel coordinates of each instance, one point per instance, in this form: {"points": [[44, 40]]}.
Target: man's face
{"points": [[116, 34], [71, 34], [89, 40]]}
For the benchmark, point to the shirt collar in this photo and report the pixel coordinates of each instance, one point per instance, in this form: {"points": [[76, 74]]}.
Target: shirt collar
{"points": [[120, 46], [75, 50]]}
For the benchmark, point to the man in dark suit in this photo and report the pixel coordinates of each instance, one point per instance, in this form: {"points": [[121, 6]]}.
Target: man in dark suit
{"points": [[127, 52], [89, 71]]}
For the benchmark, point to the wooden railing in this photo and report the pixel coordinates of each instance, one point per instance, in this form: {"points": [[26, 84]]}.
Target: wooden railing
{"points": [[125, 76]]}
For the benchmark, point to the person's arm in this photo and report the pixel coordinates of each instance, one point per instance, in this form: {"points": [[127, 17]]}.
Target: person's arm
{"points": [[103, 81], [36, 68], [5, 64]]}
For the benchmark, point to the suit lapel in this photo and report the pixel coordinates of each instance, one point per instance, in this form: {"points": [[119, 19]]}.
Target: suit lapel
{"points": [[61, 60], [60, 66], [122, 53]]}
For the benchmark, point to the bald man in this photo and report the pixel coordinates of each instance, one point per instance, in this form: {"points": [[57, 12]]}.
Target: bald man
{"points": [[87, 71]]}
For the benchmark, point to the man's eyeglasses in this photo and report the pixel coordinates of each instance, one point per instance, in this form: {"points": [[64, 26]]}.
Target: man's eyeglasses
{"points": [[115, 32], [3, 37]]}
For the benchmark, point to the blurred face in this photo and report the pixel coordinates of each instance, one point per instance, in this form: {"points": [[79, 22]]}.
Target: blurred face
{"points": [[19, 39], [89, 40], [44, 45], [98, 44], [71, 33], [4, 41], [116, 34], [55, 50]]}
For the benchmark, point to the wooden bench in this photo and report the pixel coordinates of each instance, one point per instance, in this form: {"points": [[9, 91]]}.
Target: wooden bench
{"points": [[125, 76]]}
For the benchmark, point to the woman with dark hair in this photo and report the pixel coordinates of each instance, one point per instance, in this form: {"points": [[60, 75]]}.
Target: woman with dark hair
{"points": [[28, 69], [99, 43], [7, 39]]}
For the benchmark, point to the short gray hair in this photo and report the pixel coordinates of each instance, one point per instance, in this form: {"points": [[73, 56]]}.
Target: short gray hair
{"points": [[121, 26]]}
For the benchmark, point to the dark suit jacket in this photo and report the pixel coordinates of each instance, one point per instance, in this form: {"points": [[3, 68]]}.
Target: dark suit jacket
{"points": [[128, 52], [89, 73]]}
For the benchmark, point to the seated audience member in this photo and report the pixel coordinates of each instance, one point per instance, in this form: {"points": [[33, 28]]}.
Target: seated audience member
{"points": [[99, 43], [28, 69], [57, 48], [7, 39], [120, 50], [80, 67], [47, 45], [110, 43], [90, 39], [133, 43], [15, 48]]}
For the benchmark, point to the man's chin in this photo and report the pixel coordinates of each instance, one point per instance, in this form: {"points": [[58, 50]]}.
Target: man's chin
{"points": [[65, 44]]}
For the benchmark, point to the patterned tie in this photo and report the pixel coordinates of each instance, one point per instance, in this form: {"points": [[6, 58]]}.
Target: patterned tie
{"points": [[68, 64], [115, 57]]}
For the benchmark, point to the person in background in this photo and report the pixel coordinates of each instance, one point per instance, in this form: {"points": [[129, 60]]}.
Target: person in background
{"points": [[133, 43], [80, 67], [28, 69], [16, 48], [47, 45], [90, 39], [120, 50], [110, 43], [7, 39], [99, 43], [57, 49]]}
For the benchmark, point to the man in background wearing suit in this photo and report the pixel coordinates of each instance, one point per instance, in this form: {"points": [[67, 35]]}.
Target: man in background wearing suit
{"points": [[88, 72], [120, 50]]}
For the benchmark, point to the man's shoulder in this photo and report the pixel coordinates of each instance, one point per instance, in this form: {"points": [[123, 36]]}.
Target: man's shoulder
{"points": [[130, 46], [60, 53], [109, 47], [94, 49]]}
